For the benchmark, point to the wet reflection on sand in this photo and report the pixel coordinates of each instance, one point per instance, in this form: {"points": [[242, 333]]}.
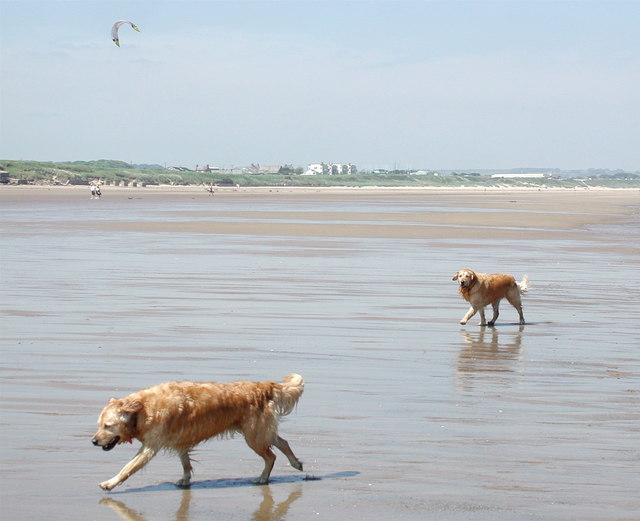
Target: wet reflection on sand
{"points": [[268, 510], [354, 292], [488, 349], [129, 514]]}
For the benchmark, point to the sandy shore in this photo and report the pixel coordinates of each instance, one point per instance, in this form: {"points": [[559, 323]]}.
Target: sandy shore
{"points": [[464, 213], [406, 414], [191, 190]]}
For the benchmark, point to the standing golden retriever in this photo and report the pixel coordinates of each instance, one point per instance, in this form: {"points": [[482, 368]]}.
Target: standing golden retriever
{"points": [[480, 290], [177, 416]]}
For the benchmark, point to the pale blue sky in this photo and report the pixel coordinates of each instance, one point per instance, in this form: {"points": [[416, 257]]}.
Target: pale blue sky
{"points": [[418, 84]]}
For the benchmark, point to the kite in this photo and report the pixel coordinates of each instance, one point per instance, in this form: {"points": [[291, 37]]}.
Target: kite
{"points": [[116, 27]]}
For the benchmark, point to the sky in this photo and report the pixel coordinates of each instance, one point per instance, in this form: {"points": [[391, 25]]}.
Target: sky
{"points": [[380, 84]]}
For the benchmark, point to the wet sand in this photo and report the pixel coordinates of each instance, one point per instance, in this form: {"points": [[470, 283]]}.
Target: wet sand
{"points": [[406, 414]]}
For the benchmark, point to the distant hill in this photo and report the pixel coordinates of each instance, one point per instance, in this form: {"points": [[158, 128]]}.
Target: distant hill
{"points": [[111, 163], [120, 173]]}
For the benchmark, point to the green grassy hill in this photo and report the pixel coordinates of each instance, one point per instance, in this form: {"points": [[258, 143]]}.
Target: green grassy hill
{"points": [[110, 172]]}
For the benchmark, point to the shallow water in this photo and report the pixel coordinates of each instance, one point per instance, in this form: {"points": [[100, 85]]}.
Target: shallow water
{"points": [[406, 414]]}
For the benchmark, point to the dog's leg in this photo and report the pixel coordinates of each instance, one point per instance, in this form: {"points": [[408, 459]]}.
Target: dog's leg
{"points": [[185, 481], [144, 455], [269, 459], [514, 299], [483, 320], [283, 446], [469, 314], [259, 432], [496, 312]]}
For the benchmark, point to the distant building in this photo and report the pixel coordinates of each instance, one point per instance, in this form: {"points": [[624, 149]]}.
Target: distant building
{"points": [[331, 169], [207, 168], [343, 169], [317, 169], [262, 169], [520, 176], [257, 168]]}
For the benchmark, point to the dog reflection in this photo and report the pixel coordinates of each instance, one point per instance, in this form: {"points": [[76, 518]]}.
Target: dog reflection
{"points": [[128, 514], [488, 351], [268, 510]]}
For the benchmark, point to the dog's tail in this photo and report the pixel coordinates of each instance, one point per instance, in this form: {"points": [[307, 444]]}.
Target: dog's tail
{"points": [[287, 394], [523, 285]]}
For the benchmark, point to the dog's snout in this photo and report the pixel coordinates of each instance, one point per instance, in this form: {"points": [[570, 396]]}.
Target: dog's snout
{"points": [[95, 441]]}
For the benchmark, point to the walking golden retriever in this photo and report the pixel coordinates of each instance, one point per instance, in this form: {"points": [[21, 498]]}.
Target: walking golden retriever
{"points": [[480, 290], [177, 416]]}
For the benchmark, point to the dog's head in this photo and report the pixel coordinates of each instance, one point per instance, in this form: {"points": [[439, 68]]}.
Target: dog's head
{"points": [[465, 278], [117, 423]]}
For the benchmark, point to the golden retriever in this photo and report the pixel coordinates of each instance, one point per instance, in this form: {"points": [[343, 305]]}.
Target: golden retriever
{"points": [[480, 290], [177, 416]]}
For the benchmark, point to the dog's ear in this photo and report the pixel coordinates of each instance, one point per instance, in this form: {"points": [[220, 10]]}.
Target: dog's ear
{"points": [[130, 406], [128, 414], [455, 277]]}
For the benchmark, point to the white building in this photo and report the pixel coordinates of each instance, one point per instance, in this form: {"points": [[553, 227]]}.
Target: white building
{"points": [[331, 169], [317, 169], [519, 176]]}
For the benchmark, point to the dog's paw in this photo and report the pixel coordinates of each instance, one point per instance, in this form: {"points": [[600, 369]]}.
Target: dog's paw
{"points": [[297, 465], [463, 322], [183, 483], [107, 485]]}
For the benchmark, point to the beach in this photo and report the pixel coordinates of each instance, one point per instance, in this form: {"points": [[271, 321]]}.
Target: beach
{"points": [[407, 415]]}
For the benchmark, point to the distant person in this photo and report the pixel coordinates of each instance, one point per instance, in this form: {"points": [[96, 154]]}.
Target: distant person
{"points": [[98, 192], [93, 191]]}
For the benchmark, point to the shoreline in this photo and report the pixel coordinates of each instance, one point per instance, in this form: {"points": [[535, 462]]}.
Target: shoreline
{"points": [[268, 188], [18, 192], [427, 213]]}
